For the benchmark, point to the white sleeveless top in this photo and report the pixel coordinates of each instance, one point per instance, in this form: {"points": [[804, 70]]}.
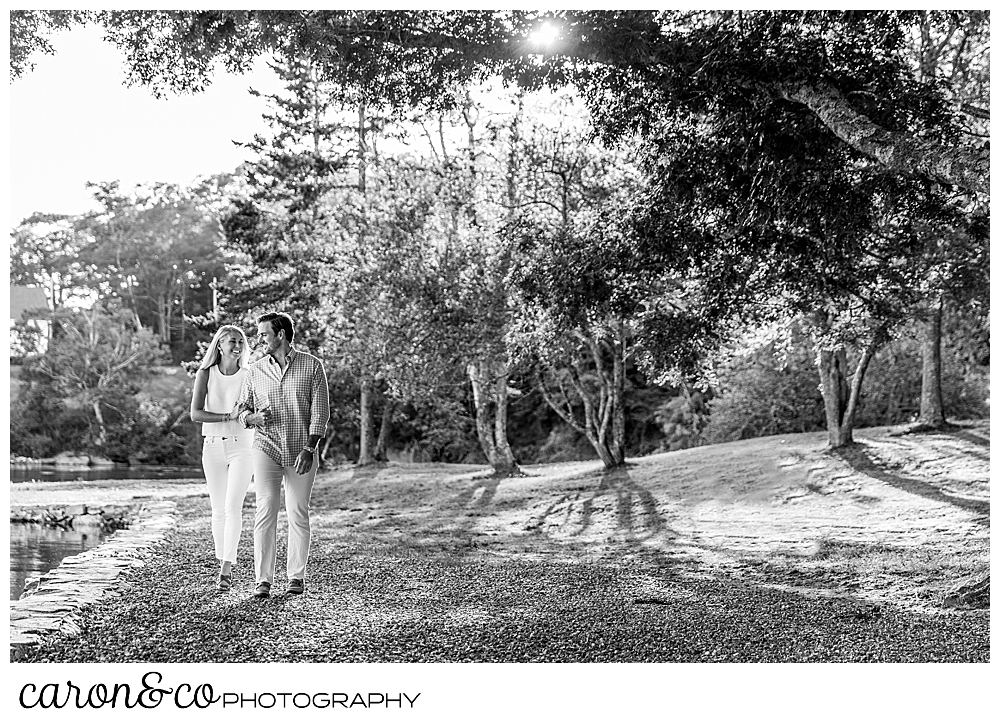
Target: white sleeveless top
{"points": [[223, 392]]}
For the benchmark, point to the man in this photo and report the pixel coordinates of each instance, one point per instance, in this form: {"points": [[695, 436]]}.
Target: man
{"points": [[285, 397]]}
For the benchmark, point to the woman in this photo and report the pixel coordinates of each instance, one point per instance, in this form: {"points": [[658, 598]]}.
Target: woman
{"points": [[226, 452]]}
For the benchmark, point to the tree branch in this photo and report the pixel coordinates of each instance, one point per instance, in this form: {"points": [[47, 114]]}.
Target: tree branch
{"points": [[966, 167]]}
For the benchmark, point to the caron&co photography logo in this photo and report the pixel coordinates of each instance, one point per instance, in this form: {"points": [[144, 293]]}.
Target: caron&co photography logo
{"points": [[152, 691]]}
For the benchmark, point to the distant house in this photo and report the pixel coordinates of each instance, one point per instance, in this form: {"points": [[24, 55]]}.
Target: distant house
{"points": [[30, 305]]}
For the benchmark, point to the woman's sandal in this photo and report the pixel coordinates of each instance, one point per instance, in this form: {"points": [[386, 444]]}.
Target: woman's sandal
{"points": [[225, 583]]}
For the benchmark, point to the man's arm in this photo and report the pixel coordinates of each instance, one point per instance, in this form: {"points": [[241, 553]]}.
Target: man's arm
{"points": [[319, 415]]}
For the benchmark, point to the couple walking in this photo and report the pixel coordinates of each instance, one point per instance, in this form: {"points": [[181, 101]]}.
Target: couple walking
{"points": [[263, 420]]}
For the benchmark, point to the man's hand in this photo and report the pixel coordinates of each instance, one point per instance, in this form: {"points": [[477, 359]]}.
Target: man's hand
{"points": [[304, 462], [259, 419]]}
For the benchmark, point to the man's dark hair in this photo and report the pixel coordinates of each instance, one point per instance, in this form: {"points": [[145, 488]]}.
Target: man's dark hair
{"points": [[279, 322]]}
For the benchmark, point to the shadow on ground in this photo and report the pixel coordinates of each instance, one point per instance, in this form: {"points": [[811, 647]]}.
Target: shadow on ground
{"points": [[861, 460]]}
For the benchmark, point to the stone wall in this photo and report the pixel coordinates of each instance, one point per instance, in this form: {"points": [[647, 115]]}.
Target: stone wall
{"points": [[108, 518], [52, 605]]}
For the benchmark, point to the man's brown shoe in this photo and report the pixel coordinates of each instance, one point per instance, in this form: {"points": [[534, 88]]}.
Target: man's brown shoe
{"points": [[296, 587], [263, 590]]}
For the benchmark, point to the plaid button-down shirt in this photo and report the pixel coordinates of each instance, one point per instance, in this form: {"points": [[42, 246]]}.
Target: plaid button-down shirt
{"points": [[299, 399]]}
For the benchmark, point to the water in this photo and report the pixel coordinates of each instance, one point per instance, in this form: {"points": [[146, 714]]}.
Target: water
{"points": [[36, 549], [47, 473]]}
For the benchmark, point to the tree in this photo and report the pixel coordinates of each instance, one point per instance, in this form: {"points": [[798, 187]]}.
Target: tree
{"points": [[376, 266], [842, 68], [589, 310], [279, 223], [97, 358], [776, 216], [954, 56], [955, 272], [581, 356], [321, 230], [452, 271], [482, 293], [156, 249], [46, 251], [28, 34]]}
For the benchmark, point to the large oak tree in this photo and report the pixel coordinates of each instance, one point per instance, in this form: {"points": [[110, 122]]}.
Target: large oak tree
{"points": [[843, 68]]}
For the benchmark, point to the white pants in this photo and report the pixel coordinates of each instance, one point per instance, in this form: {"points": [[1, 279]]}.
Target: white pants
{"points": [[228, 468], [268, 475]]}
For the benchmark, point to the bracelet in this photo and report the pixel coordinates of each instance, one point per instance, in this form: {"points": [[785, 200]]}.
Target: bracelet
{"points": [[310, 450]]}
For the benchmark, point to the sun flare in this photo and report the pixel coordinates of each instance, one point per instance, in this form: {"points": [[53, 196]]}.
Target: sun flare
{"points": [[545, 35]]}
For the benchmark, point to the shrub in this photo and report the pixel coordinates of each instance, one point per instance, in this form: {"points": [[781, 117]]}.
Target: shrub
{"points": [[764, 393], [41, 424], [565, 444], [683, 420], [891, 392]]}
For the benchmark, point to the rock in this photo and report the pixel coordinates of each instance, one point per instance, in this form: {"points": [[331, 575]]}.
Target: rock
{"points": [[71, 459], [974, 594], [30, 586], [51, 603], [75, 510], [83, 521], [98, 461]]}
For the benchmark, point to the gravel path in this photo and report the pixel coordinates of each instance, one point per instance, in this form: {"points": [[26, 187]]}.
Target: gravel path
{"points": [[394, 580]]}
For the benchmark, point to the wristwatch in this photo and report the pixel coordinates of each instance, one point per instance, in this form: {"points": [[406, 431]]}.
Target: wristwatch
{"points": [[310, 450]]}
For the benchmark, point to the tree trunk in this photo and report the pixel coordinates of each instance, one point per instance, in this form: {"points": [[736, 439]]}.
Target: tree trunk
{"points": [[489, 393], [840, 400], [505, 462], [595, 413], [618, 396], [102, 432], [607, 417], [855, 396], [367, 454], [604, 415], [327, 443], [384, 431], [164, 321], [931, 399], [182, 312], [833, 385]]}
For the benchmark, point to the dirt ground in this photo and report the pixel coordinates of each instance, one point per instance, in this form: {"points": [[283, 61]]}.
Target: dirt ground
{"points": [[898, 519], [768, 550]]}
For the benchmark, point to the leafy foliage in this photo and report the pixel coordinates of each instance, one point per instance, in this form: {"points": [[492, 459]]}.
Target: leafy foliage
{"points": [[46, 250], [155, 249], [28, 34], [84, 394], [736, 169], [772, 388]]}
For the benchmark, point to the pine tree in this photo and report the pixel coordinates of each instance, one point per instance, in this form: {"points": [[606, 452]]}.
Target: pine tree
{"points": [[282, 225]]}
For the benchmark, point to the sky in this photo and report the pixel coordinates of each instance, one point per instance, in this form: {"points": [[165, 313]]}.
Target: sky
{"points": [[72, 120]]}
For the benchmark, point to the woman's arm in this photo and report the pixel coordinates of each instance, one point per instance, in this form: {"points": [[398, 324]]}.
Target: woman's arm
{"points": [[198, 413]]}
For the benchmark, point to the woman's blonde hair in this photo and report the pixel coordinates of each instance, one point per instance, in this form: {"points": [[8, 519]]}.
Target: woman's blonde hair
{"points": [[211, 357]]}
